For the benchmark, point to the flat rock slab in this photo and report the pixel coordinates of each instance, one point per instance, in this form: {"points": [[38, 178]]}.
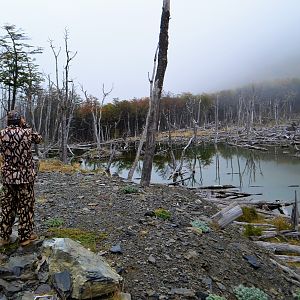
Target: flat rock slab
{"points": [[90, 273]]}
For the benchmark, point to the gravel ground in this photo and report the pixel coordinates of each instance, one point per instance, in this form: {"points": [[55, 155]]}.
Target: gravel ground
{"points": [[158, 259]]}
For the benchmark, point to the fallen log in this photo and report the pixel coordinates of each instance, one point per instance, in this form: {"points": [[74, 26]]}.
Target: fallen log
{"points": [[271, 213], [279, 247], [255, 224], [288, 258], [286, 269], [227, 215]]}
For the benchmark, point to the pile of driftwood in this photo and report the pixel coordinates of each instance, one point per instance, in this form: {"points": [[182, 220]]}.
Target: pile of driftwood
{"points": [[284, 253]]}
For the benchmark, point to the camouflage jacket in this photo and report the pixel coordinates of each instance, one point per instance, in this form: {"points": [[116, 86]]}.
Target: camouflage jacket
{"points": [[15, 147]]}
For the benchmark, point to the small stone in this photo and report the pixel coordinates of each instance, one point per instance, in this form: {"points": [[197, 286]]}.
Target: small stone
{"points": [[27, 296], [17, 271], [208, 282], [191, 254], [62, 282], [151, 293], [201, 296], [149, 214], [125, 296], [221, 286], [252, 260], [151, 259], [5, 272], [11, 287], [116, 249], [167, 257], [183, 292], [43, 289]]}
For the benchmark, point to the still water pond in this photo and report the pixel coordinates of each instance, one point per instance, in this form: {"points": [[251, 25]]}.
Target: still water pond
{"points": [[275, 173]]}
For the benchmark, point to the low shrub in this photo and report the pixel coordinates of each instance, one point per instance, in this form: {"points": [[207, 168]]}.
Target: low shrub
{"points": [[129, 189], [246, 293], [162, 213], [250, 230], [200, 225], [249, 215], [297, 295]]}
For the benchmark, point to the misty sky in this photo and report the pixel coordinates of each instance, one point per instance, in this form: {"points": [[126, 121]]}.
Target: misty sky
{"points": [[214, 44]]}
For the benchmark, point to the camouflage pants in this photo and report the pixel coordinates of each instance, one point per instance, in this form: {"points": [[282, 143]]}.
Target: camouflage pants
{"points": [[17, 199]]}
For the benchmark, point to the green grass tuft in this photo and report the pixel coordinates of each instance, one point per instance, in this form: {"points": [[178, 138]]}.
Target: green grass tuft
{"points": [[88, 239], [54, 222]]}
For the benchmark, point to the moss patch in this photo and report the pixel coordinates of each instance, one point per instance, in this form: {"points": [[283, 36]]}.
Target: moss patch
{"points": [[88, 239]]}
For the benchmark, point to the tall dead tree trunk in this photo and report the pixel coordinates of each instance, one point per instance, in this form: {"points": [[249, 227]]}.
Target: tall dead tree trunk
{"points": [[156, 94]]}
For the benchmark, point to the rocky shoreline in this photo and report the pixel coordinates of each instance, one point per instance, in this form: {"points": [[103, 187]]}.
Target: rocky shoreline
{"points": [[159, 257]]}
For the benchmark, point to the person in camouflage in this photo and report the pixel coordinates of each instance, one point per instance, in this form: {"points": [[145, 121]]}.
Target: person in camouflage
{"points": [[18, 175]]}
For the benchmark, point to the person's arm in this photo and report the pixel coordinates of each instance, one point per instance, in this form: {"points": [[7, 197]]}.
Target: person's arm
{"points": [[36, 138]]}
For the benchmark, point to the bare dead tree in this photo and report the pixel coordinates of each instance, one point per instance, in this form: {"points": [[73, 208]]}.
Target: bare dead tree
{"points": [[216, 118], [65, 101], [96, 110], [155, 94], [144, 134]]}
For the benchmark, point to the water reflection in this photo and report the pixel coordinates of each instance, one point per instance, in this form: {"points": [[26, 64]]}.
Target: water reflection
{"points": [[273, 173]]}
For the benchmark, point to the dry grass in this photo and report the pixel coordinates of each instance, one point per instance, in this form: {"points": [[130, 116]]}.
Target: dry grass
{"points": [[281, 223], [250, 215], [57, 166]]}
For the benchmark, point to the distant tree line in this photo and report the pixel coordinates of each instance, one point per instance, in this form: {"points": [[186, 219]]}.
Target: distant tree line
{"points": [[64, 113]]}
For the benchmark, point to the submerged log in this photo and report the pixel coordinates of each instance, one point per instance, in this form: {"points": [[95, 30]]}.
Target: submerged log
{"points": [[227, 215], [217, 187]]}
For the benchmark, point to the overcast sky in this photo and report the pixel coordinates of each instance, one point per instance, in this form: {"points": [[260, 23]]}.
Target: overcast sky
{"points": [[214, 44]]}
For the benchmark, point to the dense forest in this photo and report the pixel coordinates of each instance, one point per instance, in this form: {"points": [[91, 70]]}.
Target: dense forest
{"points": [[55, 104]]}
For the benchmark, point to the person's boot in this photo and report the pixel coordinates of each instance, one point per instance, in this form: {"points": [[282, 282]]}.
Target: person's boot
{"points": [[4, 242], [33, 237]]}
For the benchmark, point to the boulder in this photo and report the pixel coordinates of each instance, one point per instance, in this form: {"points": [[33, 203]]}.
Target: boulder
{"points": [[91, 275]]}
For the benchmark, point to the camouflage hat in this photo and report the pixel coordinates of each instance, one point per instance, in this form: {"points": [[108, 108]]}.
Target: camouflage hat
{"points": [[13, 115]]}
